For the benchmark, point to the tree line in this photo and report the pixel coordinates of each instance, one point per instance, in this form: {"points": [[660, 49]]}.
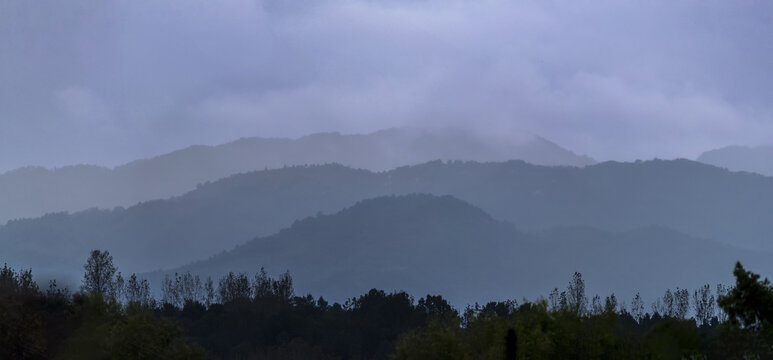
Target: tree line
{"points": [[700, 305], [261, 317]]}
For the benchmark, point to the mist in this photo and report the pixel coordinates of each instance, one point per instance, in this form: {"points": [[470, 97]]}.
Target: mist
{"points": [[386, 179], [109, 82]]}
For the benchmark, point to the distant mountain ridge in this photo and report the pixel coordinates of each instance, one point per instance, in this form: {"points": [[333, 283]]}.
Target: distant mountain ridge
{"points": [[427, 244], [34, 191], [757, 159], [690, 197]]}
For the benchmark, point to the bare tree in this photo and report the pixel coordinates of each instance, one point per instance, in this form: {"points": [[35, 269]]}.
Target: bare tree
{"points": [[137, 291], [54, 292], [99, 274], [722, 290], [657, 307], [234, 287], [169, 294], [145, 298], [668, 304], [563, 303], [209, 292], [554, 300], [189, 287], [118, 291], [622, 307], [133, 289], [283, 287], [595, 306], [637, 308], [577, 301], [682, 303], [262, 285], [703, 304], [610, 304]]}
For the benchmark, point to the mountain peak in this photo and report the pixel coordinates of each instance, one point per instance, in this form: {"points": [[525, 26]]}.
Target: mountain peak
{"points": [[741, 158]]}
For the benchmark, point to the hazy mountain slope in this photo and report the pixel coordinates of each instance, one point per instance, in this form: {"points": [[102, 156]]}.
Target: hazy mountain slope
{"points": [[33, 192], [740, 158], [690, 197], [427, 244], [210, 219]]}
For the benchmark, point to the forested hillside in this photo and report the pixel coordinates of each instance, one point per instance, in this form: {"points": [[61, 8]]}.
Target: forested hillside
{"points": [[689, 197], [428, 244]]}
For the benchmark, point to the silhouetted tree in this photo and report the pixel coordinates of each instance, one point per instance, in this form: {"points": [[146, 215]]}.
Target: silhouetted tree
{"points": [[21, 330], [468, 316], [554, 300], [721, 291], [262, 285], [234, 287], [209, 292], [120, 286], [56, 294], [681, 303], [498, 308], [100, 272], [436, 307], [750, 302], [610, 304], [703, 304], [657, 307], [577, 301], [137, 291], [7, 279], [169, 291], [563, 301], [33, 325], [105, 330], [27, 286], [283, 287], [669, 306], [595, 306], [189, 288], [637, 307]]}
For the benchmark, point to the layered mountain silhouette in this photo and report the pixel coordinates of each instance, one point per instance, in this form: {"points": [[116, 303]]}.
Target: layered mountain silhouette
{"points": [[689, 197], [428, 244], [34, 191], [741, 158]]}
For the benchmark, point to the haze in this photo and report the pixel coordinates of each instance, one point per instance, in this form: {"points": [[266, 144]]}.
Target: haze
{"points": [[96, 82], [386, 179]]}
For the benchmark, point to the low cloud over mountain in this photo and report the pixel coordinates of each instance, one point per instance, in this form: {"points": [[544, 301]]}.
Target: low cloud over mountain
{"points": [[31, 192]]}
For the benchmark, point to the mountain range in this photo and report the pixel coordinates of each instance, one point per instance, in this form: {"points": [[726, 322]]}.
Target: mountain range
{"points": [[35, 191], [442, 245], [689, 197]]}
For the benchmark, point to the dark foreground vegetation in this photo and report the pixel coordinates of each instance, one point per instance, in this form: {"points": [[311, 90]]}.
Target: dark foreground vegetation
{"points": [[260, 317]]}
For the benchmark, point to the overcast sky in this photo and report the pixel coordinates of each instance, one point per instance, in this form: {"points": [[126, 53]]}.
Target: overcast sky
{"points": [[104, 82]]}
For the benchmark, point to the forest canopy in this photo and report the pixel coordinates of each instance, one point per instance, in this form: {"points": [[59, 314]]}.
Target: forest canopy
{"points": [[258, 316]]}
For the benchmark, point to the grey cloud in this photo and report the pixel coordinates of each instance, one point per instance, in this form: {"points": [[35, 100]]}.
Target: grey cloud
{"points": [[612, 80], [79, 104]]}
